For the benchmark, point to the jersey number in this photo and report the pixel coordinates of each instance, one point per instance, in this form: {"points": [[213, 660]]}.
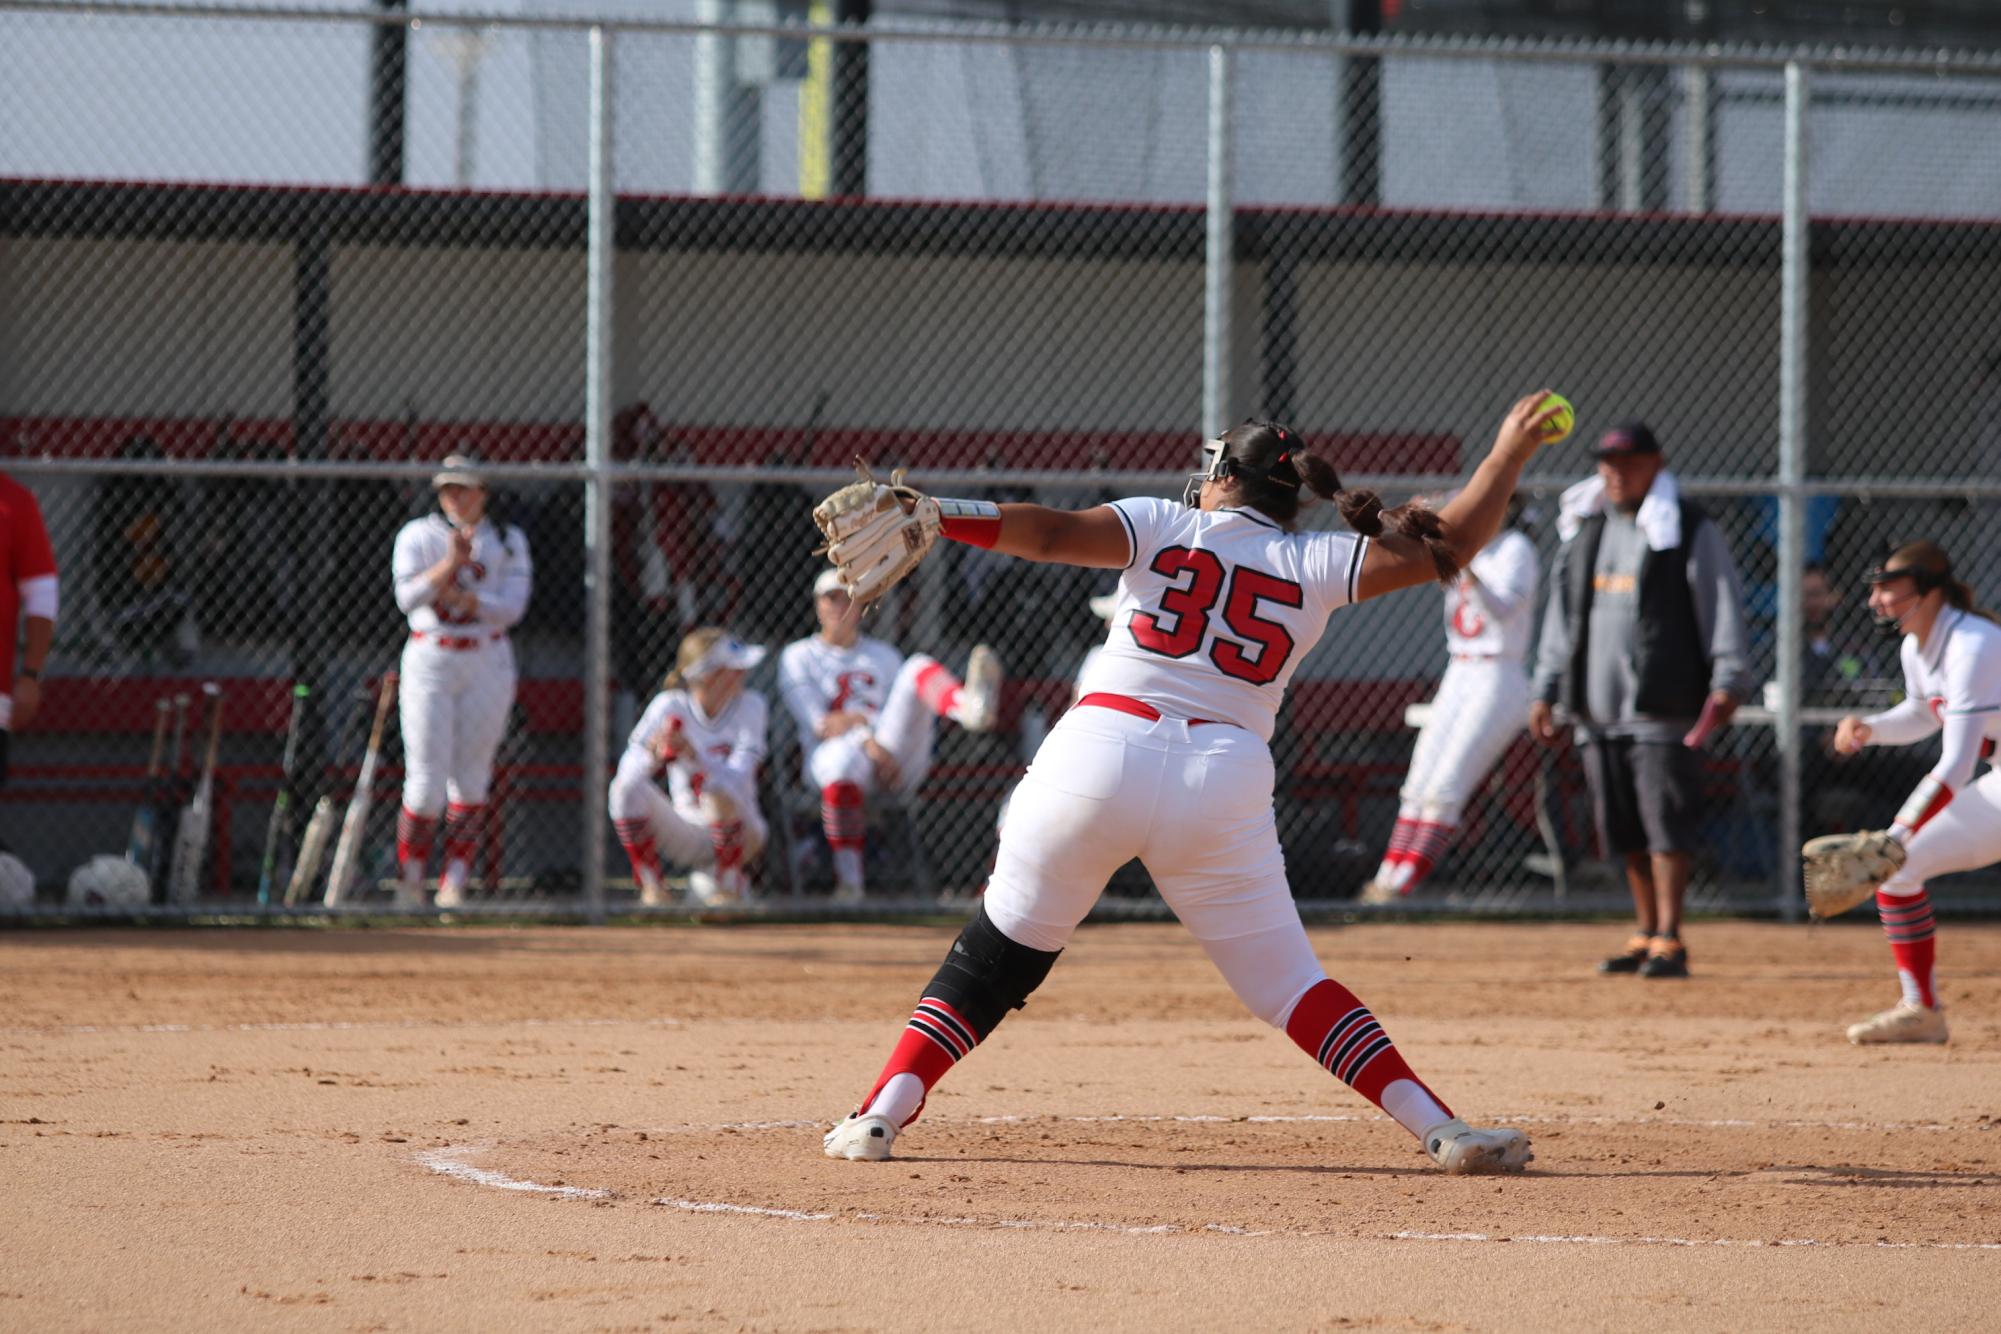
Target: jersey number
{"points": [[1267, 644]]}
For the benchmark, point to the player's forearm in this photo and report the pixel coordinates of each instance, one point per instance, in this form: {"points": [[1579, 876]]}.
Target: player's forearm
{"points": [[1094, 538], [1901, 724], [504, 607], [38, 634], [1472, 517]]}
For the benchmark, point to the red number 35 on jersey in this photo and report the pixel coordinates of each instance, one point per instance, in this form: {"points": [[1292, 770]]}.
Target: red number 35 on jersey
{"points": [[1265, 645]]}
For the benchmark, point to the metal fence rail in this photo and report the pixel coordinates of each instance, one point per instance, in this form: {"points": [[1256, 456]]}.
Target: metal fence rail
{"points": [[667, 278]]}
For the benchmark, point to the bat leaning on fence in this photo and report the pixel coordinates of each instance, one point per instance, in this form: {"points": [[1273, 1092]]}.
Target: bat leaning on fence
{"points": [[347, 852], [284, 807], [197, 817], [326, 809], [172, 792], [143, 844]]}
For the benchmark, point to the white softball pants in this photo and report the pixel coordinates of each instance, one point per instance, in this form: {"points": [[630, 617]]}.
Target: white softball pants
{"points": [[904, 728], [682, 835], [1965, 836], [453, 707], [1192, 803], [1482, 704]]}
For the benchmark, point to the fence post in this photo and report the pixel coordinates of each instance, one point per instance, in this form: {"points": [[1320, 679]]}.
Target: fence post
{"points": [[1219, 252], [1795, 257], [597, 453]]}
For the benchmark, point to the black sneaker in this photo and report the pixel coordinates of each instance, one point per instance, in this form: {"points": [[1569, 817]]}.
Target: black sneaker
{"points": [[1666, 959], [1629, 959]]}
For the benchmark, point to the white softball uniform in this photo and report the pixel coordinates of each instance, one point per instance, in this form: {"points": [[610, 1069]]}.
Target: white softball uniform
{"points": [[458, 674], [1483, 699], [1952, 684], [721, 755], [1165, 757], [816, 678]]}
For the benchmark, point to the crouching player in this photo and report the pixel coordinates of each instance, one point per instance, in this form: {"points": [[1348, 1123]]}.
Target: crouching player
{"points": [[706, 732]]}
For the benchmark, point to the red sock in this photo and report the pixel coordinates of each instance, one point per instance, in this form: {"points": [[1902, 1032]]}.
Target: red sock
{"points": [[413, 837], [1910, 926], [1401, 838], [841, 814], [938, 688], [636, 837], [726, 837], [937, 1038], [1428, 845], [462, 830], [1339, 1032]]}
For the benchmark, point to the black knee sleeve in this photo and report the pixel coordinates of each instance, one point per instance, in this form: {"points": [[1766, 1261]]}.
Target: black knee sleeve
{"points": [[986, 974]]}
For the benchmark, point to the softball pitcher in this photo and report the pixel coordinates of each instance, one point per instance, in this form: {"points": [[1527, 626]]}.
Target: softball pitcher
{"points": [[462, 581], [706, 732], [1166, 757], [865, 715], [1481, 702], [1952, 683]]}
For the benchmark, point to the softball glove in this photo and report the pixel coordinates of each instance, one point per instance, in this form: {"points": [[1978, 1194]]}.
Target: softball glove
{"points": [[876, 534], [1842, 870]]}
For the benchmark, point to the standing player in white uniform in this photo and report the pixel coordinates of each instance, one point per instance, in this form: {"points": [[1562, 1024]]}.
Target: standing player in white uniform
{"points": [[1166, 758], [463, 582], [865, 716], [707, 733], [1952, 683], [1481, 702]]}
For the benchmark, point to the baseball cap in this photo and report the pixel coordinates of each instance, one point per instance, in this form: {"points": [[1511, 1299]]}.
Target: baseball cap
{"points": [[829, 581], [1626, 440], [458, 470]]}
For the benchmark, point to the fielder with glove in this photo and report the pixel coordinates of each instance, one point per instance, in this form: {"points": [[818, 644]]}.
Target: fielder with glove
{"points": [[1952, 684]]}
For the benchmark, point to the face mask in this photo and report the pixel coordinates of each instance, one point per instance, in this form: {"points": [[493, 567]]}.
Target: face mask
{"points": [[1212, 468]]}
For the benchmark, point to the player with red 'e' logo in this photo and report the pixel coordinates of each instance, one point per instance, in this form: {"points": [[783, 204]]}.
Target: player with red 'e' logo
{"points": [[866, 715], [1481, 702], [1166, 756]]}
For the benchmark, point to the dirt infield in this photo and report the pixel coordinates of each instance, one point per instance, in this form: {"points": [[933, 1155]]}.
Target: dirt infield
{"points": [[617, 1129]]}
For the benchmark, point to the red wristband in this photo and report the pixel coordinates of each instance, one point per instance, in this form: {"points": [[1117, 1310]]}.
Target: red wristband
{"points": [[974, 522]]}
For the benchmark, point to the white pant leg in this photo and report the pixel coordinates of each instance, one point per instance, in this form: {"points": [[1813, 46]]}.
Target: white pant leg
{"points": [[1081, 812], [486, 693], [1481, 707], [682, 842], [907, 725], [426, 710], [841, 759], [1269, 970], [1431, 740], [1965, 836]]}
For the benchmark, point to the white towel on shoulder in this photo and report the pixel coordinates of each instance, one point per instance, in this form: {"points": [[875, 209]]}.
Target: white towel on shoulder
{"points": [[1659, 518]]}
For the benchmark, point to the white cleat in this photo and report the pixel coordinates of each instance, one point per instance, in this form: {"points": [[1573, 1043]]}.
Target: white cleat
{"points": [[849, 892], [1463, 1151], [450, 895], [704, 888], [860, 1139], [979, 696], [1377, 894], [1902, 1022]]}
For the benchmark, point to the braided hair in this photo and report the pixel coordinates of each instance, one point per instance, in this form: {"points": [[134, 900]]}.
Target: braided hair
{"points": [[1271, 468]]}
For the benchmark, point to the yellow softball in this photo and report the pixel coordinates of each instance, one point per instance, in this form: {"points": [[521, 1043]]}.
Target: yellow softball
{"points": [[1560, 426]]}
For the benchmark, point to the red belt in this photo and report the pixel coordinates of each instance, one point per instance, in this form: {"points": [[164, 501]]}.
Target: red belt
{"points": [[1127, 704], [458, 643], [1474, 657]]}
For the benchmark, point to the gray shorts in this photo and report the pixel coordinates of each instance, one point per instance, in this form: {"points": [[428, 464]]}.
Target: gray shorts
{"points": [[1646, 796]]}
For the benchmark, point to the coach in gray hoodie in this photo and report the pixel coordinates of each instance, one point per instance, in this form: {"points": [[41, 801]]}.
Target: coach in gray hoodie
{"points": [[1644, 650]]}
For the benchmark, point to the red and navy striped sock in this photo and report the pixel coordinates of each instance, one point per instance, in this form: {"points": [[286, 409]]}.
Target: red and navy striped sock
{"points": [[1910, 927], [1341, 1033], [937, 1038], [636, 837], [1427, 848]]}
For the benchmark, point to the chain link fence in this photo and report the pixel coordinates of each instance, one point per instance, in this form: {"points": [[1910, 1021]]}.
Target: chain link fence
{"points": [[260, 270]]}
